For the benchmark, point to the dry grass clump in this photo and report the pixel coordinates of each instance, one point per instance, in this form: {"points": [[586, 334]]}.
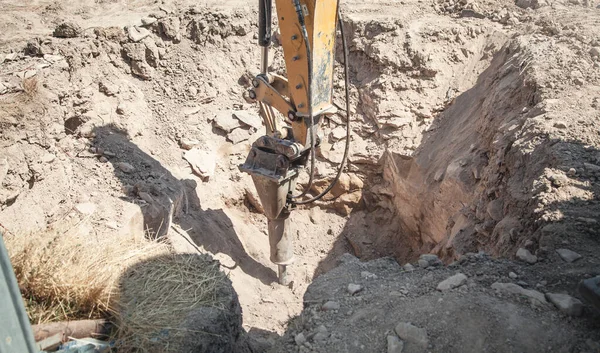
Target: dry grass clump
{"points": [[66, 275], [157, 295]]}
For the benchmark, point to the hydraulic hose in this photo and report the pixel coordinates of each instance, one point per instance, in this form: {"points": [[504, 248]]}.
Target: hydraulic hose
{"points": [[309, 60], [347, 147]]}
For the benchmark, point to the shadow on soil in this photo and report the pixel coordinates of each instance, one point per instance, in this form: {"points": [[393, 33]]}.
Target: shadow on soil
{"points": [[162, 198]]}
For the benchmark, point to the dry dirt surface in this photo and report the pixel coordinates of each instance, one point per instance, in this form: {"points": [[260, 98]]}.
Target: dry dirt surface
{"points": [[475, 128]]}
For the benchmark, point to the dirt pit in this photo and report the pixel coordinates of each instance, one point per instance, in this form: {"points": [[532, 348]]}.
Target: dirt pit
{"points": [[474, 129]]}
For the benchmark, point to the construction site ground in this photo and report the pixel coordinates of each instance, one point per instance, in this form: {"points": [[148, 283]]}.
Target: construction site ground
{"points": [[475, 138]]}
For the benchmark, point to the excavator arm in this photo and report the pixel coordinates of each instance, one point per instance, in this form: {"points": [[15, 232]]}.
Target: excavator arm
{"points": [[308, 32]]}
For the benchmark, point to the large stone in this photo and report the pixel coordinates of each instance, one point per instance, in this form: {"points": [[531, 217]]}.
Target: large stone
{"points": [[566, 303], [137, 34], [238, 135], [345, 203], [452, 282], [495, 209], [568, 255], [170, 28], [67, 30], [203, 162], [224, 120], [394, 344], [249, 118], [339, 133], [516, 289], [432, 260], [525, 255], [412, 334], [354, 288]]}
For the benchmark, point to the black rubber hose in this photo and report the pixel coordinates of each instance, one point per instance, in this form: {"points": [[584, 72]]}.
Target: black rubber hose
{"points": [[309, 93], [264, 22], [347, 147]]}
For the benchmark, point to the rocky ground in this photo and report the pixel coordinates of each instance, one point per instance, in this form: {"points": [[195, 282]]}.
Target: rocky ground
{"points": [[477, 304], [474, 128]]}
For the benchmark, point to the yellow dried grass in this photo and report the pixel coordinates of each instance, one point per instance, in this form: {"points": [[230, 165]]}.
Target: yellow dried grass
{"points": [[66, 275]]}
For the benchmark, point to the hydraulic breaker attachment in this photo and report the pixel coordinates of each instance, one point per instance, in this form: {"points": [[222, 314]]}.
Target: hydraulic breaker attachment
{"points": [[308, 31]]}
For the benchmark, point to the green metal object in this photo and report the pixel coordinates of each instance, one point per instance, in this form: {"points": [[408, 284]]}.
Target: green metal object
{"points": [[16, 335]]}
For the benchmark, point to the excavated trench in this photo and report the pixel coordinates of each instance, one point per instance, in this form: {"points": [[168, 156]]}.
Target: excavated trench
{"points": [[438, 109]]}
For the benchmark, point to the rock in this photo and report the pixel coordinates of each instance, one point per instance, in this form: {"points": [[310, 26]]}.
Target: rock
{"points": [[525, 255], [591, 167], [516, 289], [356, 182], [48, 158], [412, 334], [224, 120], [452, 282], [560, 125], [495, 209], [432, 260], [354, 288], [11, 57], [595, 52], [193, 91], [170, 28], [337, 134], [568, 255], [330, 305], [367, 275], [345, 203], [253, 199], [126, 167], [423, 263], [300, 339], [188, 144], [136, 52], [142, 70], [248, 118], [408, 267], [394, 344], [238, 135], [67, 30], [566, 303], [108, 88], [203, 162], [86, 208], [147, 21], [321, 334], [137, 34], [341, 187], [513, 275]]}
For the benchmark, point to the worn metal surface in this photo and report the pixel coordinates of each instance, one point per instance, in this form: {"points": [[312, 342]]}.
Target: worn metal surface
{"points": [[321, 19]]}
